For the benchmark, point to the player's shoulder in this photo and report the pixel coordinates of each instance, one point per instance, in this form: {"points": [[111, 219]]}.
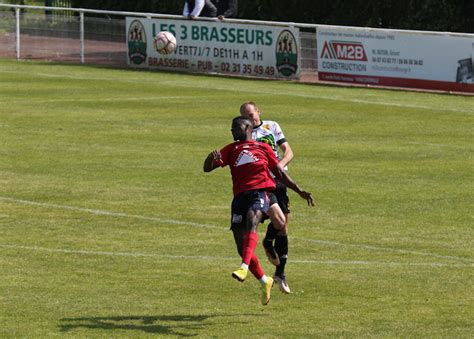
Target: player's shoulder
{"points": [[247, 144], [269, 122], [270, 125], [230, 146]]}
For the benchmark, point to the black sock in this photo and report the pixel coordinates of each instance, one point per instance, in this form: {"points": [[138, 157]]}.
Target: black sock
{"points": [[281, 247], [271, 233]]}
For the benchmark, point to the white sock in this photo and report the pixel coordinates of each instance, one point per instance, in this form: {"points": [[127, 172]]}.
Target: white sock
{"points": [[245, 266], [263, 280]]}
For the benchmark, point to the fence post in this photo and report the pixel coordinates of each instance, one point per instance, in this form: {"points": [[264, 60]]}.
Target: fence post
{"points": [[81, 16], [17, 17]]}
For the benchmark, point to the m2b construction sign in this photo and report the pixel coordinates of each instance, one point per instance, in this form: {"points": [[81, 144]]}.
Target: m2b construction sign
{"points": [[396, 58], [216, 47]]}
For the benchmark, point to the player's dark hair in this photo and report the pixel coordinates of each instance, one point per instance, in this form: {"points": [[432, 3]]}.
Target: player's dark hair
{"points": [[243, 120]]}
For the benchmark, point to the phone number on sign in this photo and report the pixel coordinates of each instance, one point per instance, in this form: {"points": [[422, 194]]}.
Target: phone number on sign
{"points": [[209, 66], [247, 69]]}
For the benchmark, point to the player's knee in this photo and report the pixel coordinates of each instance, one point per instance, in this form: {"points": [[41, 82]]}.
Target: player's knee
{"points": [[277, 218], [283, 231], [278, 222]]}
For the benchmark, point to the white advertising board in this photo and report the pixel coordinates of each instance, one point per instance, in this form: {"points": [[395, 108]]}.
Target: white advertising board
{"points": [[396, 58], [216, 47]]}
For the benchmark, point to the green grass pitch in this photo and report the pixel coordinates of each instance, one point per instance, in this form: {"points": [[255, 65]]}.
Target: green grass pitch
{"points": [[110, 228]]}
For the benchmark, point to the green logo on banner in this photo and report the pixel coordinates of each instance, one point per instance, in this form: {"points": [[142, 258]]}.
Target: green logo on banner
{"points": [[137, 42], [286, 50]]}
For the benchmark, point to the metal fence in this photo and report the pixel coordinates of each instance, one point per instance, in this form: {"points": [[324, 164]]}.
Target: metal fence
{"points": [[95, 36]]}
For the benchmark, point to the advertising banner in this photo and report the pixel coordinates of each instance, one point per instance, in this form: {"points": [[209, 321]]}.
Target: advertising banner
{"points": [[396, 58], [216, 47]]}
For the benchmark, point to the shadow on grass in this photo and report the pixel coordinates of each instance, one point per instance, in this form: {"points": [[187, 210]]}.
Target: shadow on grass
{"points": [[180, 325]]}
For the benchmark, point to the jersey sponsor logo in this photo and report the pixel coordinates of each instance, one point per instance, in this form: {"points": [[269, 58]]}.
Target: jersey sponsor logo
{"points": [[245, 157], [344, 50], [269, 140]]}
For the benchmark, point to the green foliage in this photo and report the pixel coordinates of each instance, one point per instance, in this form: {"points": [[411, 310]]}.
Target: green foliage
{"points": [[152, 6], [439, 15]]}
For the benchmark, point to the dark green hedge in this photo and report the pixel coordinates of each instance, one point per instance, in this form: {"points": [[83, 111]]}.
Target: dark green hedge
{"points": [[433, 15]]}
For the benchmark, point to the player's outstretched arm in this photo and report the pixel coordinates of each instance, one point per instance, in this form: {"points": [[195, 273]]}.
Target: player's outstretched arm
{"points": [[287, 154], [212, 161], [288, 181]]}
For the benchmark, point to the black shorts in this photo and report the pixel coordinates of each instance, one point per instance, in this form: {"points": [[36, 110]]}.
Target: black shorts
{"points": [[256, 200], [281, 194]]}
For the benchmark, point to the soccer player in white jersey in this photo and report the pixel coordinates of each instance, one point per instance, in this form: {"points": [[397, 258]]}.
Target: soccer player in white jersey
{"points": [[275, 242]]}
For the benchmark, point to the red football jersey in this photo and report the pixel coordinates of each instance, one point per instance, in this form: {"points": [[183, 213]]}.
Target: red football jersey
{"points": [[250, 164]]}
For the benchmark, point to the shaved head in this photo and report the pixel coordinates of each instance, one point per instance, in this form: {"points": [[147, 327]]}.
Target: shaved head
{"points": [[250, 110]]}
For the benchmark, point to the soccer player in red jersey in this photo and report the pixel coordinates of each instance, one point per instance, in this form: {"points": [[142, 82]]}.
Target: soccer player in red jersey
{"points": [[250, 164], [275, 241]]}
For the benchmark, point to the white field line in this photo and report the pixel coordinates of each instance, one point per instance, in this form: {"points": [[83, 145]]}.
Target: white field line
{"points": [[386, 249], [112, 214], [194, 224], [210, 258], [260, 92]]}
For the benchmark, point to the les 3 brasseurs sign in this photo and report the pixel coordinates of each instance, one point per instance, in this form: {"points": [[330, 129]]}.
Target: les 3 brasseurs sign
{"points": [[216, 47]]}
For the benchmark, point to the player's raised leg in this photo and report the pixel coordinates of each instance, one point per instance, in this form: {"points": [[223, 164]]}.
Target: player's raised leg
{"points": [[250, 243], [277, 223]]}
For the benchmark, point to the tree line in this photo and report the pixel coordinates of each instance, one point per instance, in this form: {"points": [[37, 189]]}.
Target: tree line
{"points": [[432, 15]]}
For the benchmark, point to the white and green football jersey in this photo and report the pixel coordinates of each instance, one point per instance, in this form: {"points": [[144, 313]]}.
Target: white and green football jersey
{"points": [[270, 133]]}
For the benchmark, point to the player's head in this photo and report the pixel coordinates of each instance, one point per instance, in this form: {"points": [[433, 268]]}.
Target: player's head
{"points": [[241, 128], [250, 110]]}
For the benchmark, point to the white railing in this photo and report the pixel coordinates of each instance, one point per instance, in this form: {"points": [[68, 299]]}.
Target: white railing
{"points": [[29, 32], [28, 19]]}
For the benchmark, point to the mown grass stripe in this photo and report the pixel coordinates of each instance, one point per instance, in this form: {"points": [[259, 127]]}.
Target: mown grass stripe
{"points": [[194, 224]]}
